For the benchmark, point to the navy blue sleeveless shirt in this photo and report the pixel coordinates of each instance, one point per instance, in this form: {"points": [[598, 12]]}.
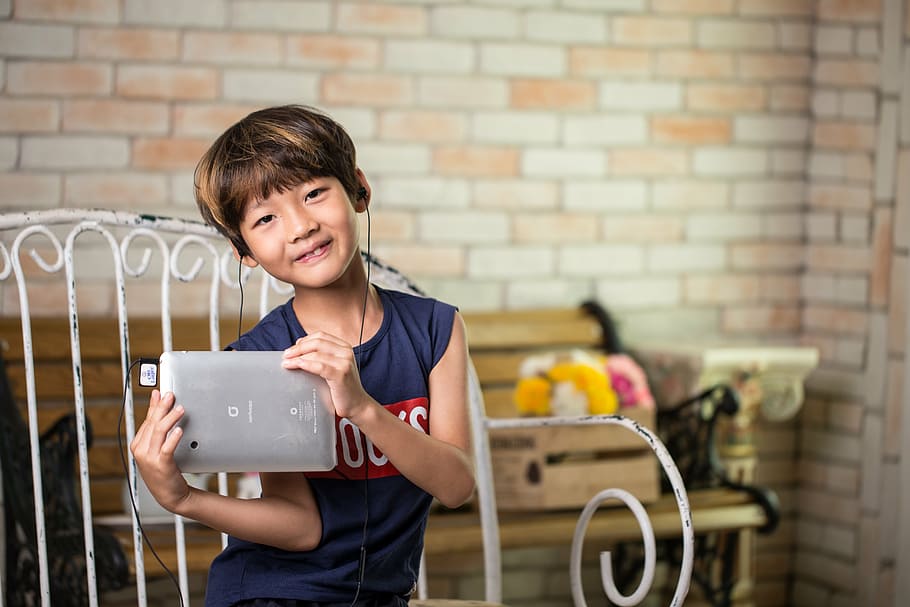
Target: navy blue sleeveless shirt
{"points": [[395, 368]]}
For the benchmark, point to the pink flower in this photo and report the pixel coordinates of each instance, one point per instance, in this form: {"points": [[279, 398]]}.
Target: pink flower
{"points": [[629, 382]]}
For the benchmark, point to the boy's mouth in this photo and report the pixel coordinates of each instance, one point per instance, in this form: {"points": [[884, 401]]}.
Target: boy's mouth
{"points": [[314, 253]]}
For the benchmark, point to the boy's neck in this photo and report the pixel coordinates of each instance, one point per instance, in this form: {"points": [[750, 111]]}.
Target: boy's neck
{"points": [[339, 311]]}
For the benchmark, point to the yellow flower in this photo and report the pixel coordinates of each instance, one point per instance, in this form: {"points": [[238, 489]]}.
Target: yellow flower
{"points": [[532, 396]]}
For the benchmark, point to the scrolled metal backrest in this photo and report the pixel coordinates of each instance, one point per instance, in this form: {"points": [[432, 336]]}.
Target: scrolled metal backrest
{"points": [[190, 252]]}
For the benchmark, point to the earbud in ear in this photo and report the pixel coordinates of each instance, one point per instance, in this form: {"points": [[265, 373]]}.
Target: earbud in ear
{"points": [[362, 194]]}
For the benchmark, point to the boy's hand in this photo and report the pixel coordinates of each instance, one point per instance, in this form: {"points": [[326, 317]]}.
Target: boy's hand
{"points": [[332, 359], [153, 449]]}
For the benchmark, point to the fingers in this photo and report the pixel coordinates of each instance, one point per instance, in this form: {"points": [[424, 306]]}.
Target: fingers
{"points": [[157, 431], [322, 354]]}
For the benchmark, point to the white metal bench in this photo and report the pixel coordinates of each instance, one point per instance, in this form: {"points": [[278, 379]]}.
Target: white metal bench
{"points": [[168, 257]]}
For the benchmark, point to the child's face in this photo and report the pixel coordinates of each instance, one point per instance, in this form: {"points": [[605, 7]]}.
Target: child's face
{"points": [[305, 236]]}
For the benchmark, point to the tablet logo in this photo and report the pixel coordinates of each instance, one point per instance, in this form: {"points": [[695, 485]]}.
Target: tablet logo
{"points": [[233, 411]]}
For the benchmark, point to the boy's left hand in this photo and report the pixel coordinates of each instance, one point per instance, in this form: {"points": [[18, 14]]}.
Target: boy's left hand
{"points": [[332, 359]]}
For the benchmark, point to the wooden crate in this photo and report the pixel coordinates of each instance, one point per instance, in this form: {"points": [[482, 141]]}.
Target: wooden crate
{"points": [[555, 467]]}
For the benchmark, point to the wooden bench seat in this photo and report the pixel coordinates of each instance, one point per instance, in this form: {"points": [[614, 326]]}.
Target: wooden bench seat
{"points": [[498, 342]]}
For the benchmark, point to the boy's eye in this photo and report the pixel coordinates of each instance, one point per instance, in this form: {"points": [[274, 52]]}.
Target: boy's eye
{"points": [[313, 194], [264, 219]]}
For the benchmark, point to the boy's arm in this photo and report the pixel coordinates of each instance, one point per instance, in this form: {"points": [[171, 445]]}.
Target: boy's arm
{"points": [[439, 463], [286, 516]]}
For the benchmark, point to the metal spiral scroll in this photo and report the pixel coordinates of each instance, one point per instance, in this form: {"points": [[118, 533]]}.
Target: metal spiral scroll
{"points": [[682, 502]]}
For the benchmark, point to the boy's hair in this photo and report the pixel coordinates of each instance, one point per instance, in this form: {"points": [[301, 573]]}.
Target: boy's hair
{"points": [[271, 150]]}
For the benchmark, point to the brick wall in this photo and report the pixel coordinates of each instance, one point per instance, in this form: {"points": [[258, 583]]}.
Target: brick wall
{"points": [[854, 287], [733, 168]]}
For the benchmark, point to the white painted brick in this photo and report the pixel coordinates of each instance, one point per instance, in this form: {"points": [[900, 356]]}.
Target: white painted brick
{"points": [[435, 57], [26, 192], [359, 123], [640, 96], [199, 13], [877, 364], [794, 36], [9, 152], [181, 191], [892, 36], [736, 33], [638, 293], [833, 40], [468, 295], [891, 506], [74, 152], [770, 129], [606, 196], [576, 260], [281, 15], [857, 104], [825, 103], [902, 201], [722, 227], [769, 194], [37, 41], [547, 293], [871, 477], [536, 60], [850, 352], [789, 161], [668, 324], [515, 127], [821, 226], [886, 152], [831, 445], [783, 226], [867, 42], [524, 194], [561, 26], [560, 162], [685, 257], [511, 262], [633, 6], [270, 86], [905, 98], [475, 22], [683, 195], [395, 159], [730, 161], [826, 164], [463, 227], [851, 290], [462, 92], [855, 228], [605, 130], [818, 287], [422, 192]]}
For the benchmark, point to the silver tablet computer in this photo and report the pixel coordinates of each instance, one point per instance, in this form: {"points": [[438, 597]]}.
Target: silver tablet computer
{"points": [[245, 413]]}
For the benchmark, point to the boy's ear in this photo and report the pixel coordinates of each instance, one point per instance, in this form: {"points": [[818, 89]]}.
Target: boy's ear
{"points": [[244, 258], [362, 200]]}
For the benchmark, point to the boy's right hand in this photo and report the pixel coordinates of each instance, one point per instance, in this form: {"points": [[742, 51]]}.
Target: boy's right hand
{"points": [[153, 448]]}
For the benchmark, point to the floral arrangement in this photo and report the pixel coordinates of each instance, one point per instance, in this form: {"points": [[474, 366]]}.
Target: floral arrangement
{"points": [[580, 383]]}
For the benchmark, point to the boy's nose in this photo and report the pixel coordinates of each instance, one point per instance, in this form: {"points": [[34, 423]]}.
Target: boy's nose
{"points": [[300, 224]]}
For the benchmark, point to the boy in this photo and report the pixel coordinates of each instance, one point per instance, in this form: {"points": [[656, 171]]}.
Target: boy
{"points": [[284, 187]]}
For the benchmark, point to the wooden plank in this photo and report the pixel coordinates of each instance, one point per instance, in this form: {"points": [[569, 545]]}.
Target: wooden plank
{"points": [[531, 328], [448, 532]]}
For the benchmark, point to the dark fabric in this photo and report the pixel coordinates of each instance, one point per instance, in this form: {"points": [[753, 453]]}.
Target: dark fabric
{"points": [[390, 600], [394, 366]]}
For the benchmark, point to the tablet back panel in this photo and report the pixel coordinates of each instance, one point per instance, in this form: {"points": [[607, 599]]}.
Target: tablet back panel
{"points": [[245, 413]]}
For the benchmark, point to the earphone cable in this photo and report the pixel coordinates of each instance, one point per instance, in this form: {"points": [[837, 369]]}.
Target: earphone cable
{"points": [[129, 486], [362, 558]]}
